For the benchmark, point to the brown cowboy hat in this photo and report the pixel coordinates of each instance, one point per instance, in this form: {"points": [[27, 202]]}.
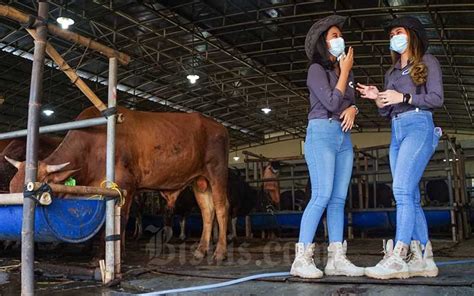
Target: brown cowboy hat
{"points": [[320, 27]]}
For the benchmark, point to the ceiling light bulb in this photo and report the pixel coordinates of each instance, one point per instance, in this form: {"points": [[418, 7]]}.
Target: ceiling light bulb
{"points": [[266, 110], [65, 22], [236, 158], [48, 112], [192, 78]]}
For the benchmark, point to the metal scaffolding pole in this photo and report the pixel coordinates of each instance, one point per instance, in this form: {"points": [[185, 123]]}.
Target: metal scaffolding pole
{"points": [[36, 89], [110, 172]]}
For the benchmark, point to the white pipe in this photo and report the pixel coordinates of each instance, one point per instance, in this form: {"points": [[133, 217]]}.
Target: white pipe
{"points": [[8, 199]]}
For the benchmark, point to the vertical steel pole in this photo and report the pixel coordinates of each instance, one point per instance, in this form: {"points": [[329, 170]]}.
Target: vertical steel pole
{"points": [[31, 168], [292, 187], [376, 176], [450, 191], [246, 168], [110, 174]]}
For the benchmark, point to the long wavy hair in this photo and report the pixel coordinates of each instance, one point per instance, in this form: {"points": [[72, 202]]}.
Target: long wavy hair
{"points": [[321, 53], [418, 71]]}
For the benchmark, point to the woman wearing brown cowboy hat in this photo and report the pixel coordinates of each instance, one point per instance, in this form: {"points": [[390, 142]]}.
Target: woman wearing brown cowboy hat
{"points": [[328, 147], [413, 88]]}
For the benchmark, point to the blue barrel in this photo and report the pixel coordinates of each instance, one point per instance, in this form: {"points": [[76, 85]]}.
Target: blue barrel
{"points": [[371, 220], [64, 220], [434, 218]]}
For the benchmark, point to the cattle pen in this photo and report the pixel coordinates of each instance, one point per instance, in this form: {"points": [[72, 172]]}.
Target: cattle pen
{"points": [[236, 147], [42, 193]]}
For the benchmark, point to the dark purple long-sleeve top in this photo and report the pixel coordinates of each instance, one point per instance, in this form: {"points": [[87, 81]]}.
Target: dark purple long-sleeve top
{"points": [[428, 98], [325, 98]]}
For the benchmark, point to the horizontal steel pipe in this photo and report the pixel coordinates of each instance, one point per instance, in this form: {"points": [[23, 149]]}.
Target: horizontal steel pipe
{"points": [[57, 127]]}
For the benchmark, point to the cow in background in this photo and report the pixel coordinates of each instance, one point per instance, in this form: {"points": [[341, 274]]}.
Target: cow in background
{"points": [[272, 188], [183, 206], [437, 192], [16, 149], [4, 143], [242, 200], [286, 200], [385, 196]]}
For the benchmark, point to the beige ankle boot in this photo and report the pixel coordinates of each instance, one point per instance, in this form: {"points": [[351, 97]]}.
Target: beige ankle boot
{"points": [[338, 264], [393, 264], [303, 266], [421, 263]]}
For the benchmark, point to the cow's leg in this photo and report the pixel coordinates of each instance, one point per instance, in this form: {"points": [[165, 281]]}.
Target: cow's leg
{"points": [[248, 227], [215, 231], [182, 226], [219, 197], [204, 200], [125, 179], [233, 234]]}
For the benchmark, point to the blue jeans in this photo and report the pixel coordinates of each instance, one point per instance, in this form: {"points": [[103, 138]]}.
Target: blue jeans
{"points": [[329, 156], [414, 140]]}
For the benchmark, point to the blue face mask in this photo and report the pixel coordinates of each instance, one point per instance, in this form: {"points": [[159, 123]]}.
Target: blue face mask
{"points": [[399, 43], [337, 46]]}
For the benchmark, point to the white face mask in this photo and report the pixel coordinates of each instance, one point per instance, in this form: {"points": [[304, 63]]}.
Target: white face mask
{"points": [[337, 46], [399, 43]]}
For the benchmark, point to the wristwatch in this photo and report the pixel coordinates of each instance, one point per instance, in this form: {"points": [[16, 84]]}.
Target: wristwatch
{"points": [[406, 98], [355, 107]]}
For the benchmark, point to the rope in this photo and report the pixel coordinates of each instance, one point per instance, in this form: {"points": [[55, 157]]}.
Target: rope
{"points": [[113, 186]]}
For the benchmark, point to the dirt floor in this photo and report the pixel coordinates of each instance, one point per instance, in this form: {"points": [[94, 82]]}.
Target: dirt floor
{"points": [[152, 266]]}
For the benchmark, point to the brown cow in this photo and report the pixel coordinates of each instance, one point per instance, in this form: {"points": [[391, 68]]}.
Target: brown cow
{"points": [[272, 188], [16, 149], [156, 151], [4, 144]]}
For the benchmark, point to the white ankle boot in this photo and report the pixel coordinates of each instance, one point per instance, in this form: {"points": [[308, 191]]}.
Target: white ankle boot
{"points": [[338, 264], [422, 263], [304, 266], [392, 265]]}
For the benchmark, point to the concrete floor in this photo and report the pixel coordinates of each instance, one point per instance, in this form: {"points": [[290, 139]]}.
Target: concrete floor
{"points": [[147, 269]]}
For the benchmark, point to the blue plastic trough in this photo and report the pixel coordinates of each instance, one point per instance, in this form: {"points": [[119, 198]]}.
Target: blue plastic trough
{"points": [[376, 220], [64, 220]]}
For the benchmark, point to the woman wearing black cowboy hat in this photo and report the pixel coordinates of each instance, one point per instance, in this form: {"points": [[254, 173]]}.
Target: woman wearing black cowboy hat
{"points": [[328, 147], [413, 88]]}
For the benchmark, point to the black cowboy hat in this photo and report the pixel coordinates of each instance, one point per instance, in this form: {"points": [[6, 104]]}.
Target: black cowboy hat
{"points": [[318, 28], [412, 23]]}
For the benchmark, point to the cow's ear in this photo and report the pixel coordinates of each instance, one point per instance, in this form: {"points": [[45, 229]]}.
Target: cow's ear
{"points": [[60, 177]]}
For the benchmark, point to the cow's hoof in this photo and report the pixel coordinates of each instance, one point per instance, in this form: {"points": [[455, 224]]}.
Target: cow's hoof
{"points": [[219, 256], [199, 254]]}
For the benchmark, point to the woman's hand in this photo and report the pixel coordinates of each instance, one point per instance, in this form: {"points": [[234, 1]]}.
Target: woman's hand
{"points": [[367, 91], [346, 61], [390, 97], [348, 117]]}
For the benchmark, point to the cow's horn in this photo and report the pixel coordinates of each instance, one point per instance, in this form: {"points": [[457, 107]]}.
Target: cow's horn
{"points": [[13, 162], [56, 168]]}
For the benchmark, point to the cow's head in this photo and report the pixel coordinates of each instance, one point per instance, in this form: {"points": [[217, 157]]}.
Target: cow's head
{"points": [[46, 173], [170, 198]]}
